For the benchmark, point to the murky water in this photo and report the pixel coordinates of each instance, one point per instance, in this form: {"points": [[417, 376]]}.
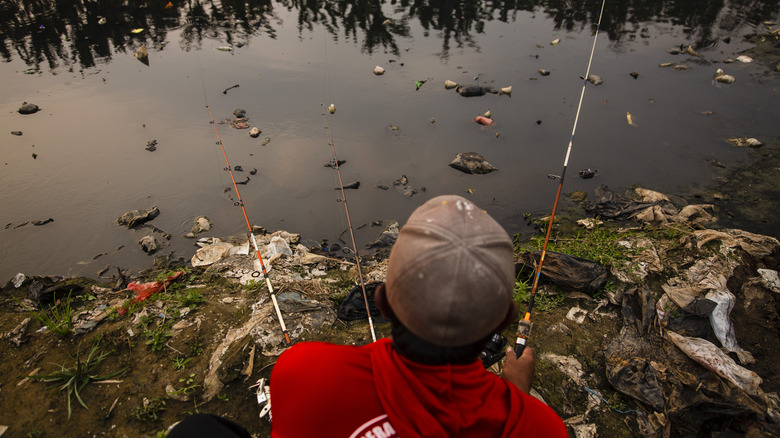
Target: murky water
{"points": [[100, 107]]}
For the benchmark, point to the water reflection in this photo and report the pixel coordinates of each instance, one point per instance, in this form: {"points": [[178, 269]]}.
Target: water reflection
{"points": [[78, 34]]}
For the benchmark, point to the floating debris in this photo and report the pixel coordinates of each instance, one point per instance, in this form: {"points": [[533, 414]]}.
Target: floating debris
{"points": [[674, 51], [393, 128], [666, 64], [142, 55], [151, 145], [255, 132], [544, 72], [555, 42], [102, 20], [138, 30], [229, 88], [266, 141], [692, 52], [448, 84], [745, 141], [744, 58], [482, 120], [225, 49], [379, 70], [634, 74], [587, 173], [721, 76], [419, 84], [506, 90], [239, 113], [16, 132], [629, 119], [488, 114], [473, 163], [595, 79], [681, 67], [332, 109]]}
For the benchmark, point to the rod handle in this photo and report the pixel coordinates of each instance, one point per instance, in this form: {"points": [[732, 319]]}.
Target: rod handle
{"points": [[523, 332]]}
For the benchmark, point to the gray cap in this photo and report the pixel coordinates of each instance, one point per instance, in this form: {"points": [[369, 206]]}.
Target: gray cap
{"points": [[450, 276]]}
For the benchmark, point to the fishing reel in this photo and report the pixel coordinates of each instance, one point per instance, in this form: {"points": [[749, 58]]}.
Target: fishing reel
{"points": [[493, 351]]}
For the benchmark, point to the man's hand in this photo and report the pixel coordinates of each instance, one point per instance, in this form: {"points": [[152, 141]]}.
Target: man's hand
{"points": [[519, 371]]}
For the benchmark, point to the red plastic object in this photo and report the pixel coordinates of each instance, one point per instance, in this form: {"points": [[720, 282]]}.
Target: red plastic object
{"points": [[146, 290]]}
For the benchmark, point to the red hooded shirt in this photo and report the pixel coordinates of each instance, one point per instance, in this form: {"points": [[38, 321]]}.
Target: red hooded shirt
{"points": [[326, 390]]}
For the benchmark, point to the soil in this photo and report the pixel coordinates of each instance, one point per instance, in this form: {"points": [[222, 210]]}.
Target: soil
{"points": [[134, 402]]}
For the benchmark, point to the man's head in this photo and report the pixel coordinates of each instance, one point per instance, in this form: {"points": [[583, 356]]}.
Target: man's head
{"points": [[450, 275]]}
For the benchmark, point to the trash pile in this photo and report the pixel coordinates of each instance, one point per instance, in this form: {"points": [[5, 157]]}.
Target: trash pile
{"points": [[683, 309]]}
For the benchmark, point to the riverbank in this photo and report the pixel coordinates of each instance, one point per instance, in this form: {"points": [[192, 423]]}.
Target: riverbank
{"points": [[605, 359]]}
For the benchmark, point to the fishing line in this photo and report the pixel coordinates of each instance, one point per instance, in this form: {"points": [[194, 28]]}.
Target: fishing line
{"points": [[240, 203], [524, 325], [343, 198], [349, 221]]}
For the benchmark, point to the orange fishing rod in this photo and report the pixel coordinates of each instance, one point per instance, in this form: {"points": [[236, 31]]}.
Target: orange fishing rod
{"points": [[524, 325], [337, 166], [240, 203]]}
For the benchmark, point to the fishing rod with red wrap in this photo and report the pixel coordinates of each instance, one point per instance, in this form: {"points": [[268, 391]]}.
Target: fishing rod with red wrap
{"points": [[524, 324], [240, 203]]}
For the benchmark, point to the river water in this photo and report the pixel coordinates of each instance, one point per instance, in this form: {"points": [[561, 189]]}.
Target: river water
{"points": [[82, 160]]}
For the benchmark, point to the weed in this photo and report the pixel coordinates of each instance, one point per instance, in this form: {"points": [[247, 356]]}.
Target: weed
{"points": [[188, 385], [548, 303], [149, 410], [73, 380], [180, 362], [158, 336], [58, 319], [597, 245], [35, 434], [196, 346], [190, 298], [223, 397]]}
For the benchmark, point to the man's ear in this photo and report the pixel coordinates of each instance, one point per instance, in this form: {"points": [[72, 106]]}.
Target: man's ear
{"points": [[511, 316], [380, 299]]}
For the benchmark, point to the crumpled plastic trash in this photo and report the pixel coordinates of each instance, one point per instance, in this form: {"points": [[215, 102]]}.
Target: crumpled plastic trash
{"points": [[770, 279], [276, 247], [19, 279], [711, 357], [719, 317], [565, 270], [145, 290]]}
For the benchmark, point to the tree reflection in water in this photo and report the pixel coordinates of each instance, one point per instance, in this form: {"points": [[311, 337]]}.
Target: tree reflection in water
{"points": [[69, 34]]}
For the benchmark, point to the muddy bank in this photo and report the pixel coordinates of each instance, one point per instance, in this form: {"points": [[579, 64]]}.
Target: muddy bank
{"points": [[607, 360]]}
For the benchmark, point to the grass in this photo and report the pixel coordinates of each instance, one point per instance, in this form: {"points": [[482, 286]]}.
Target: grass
{"points": [[72, 380], [58, 319]]}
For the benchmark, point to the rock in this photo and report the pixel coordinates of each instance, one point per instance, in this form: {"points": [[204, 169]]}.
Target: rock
{"points": [[137, 217], [387, 238], [148, 244], [473, 163], [28, 108]]}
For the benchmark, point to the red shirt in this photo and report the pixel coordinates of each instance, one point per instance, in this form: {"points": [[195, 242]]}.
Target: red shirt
{"points": [[325, 390]]}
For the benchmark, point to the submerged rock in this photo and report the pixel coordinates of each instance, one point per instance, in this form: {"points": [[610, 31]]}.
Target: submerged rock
{"points": [[473, 163], [28, 108], [148, 244], [137, 217]]}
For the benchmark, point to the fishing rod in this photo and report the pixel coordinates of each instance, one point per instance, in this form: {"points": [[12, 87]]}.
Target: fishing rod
{"points": [[524, 324], [337, 166], [240, 203]]}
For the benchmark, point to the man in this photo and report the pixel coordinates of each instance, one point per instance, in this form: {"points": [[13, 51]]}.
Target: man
{"points": [[450, 279]]}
